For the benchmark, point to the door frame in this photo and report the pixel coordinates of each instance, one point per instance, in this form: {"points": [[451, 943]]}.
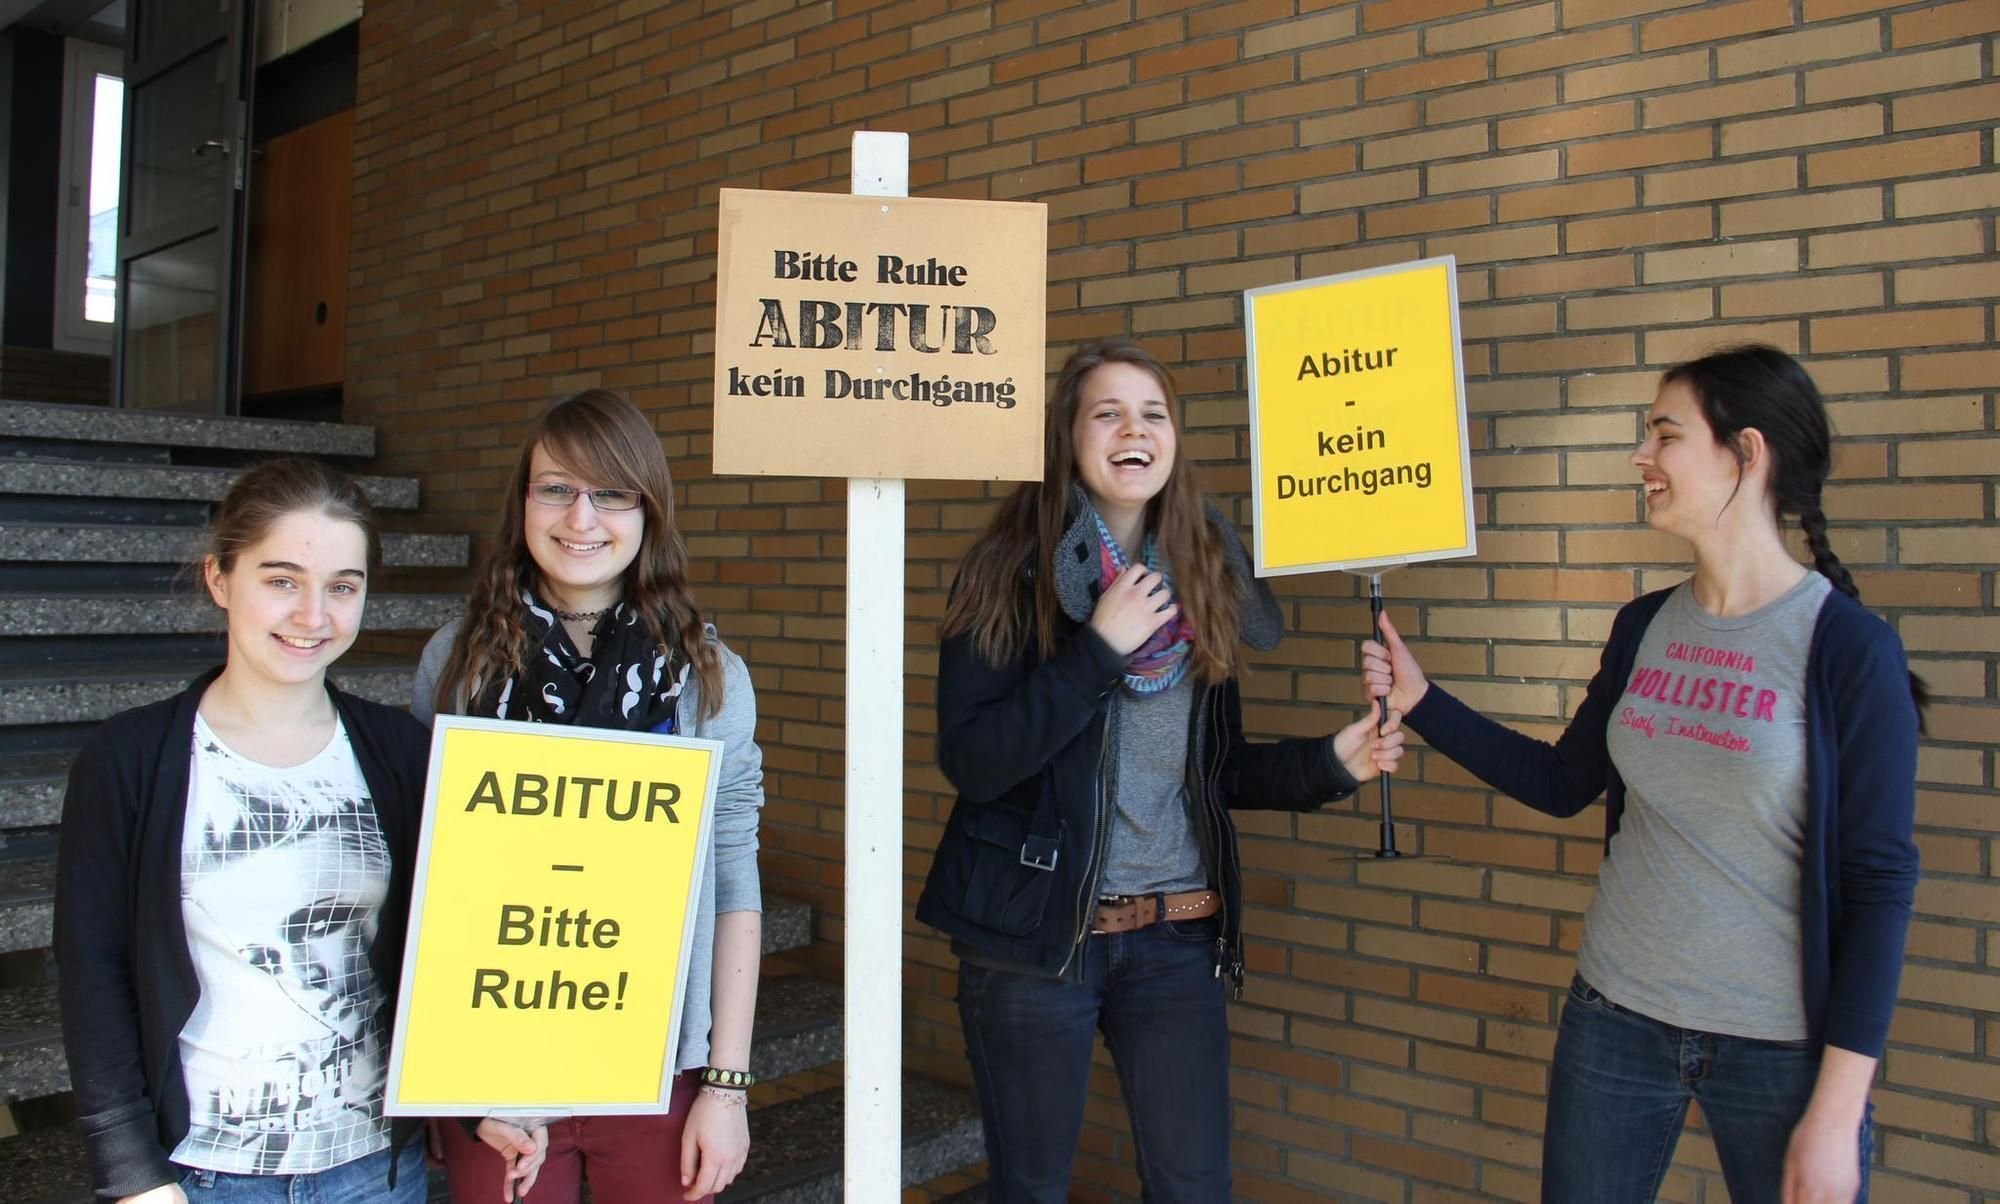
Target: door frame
{"points": [[83, 62], [234, 31]]}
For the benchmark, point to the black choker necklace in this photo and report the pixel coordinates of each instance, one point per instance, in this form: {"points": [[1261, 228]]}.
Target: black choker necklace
{"points": [[582, 616]]}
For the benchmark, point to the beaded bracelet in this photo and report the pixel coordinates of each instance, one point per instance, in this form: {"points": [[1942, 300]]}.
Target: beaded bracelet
{"points": [[725, 1096]]}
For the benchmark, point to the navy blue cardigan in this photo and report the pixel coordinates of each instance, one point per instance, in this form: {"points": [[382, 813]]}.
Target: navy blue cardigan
{"points": [[1860, 873]]}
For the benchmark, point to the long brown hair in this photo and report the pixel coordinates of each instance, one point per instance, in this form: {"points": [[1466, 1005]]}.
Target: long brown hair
{"points": [[987, 600], [604, 439]]}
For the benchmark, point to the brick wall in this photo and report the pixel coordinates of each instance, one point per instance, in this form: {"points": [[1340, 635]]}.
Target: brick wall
{"points": [[37, 374], [1624, 183]]}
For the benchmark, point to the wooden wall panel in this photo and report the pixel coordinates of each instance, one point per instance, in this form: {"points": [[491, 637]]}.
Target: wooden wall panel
{"points": [[295, 299]]}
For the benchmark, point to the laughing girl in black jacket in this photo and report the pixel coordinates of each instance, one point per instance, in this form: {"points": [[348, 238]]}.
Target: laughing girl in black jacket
{"points": [[1089, 717]]}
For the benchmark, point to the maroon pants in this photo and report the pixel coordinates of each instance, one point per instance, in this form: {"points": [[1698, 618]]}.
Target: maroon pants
{"points": [[626, 1159]]}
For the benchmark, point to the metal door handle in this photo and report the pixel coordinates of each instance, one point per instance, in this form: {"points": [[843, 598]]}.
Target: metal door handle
{"points": [[213, 146]]}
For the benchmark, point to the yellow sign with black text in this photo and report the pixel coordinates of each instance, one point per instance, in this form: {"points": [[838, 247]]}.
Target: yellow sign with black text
{"points": [[1359, 457], [556, 884]]}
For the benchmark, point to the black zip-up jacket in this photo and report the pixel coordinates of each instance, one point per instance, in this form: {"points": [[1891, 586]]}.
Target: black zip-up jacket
{"points": [[1024, 743], [127, 980]]}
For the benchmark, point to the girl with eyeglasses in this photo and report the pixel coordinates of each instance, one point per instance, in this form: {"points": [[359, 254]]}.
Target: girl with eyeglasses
{"points": [[1753, 731], [233, 887], [582, 614]]}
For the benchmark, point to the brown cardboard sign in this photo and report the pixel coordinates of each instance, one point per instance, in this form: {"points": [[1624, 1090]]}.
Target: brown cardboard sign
{"points": [[866, 336]]}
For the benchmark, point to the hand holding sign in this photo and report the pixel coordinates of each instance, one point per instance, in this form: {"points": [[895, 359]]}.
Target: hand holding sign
{"points": [[1368, 748], [523, 1150], [1388, 670], [1358, 447]]}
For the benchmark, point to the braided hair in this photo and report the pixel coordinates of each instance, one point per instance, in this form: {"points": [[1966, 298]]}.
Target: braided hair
{"points": [[1755, 386]]}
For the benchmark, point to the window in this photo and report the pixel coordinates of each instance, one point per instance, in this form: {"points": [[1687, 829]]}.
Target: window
{"points": [[87, 219]]}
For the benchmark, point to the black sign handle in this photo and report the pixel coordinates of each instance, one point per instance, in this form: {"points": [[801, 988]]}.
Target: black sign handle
{"points": [[1387, 847]]}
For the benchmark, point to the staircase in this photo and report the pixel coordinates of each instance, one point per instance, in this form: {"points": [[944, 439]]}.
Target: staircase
{"points": [[99, 512]]}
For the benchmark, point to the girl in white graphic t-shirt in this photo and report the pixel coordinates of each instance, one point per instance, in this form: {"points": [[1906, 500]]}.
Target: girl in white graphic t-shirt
{"points": [[233, 886]]}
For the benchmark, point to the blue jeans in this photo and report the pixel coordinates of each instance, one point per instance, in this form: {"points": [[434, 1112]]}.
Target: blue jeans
{"points": [[1619, 1092], [1155, 996], [362, 1181]]}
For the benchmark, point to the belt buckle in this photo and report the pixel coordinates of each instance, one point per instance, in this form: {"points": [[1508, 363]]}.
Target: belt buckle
{"points": [[1039, 853], [1104, 901]]}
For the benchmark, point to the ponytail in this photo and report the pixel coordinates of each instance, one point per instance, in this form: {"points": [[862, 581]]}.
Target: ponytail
{"points": [[1813, 521]]}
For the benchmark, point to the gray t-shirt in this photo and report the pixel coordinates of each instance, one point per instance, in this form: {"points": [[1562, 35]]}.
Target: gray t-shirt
{"points": [[1696, 918], [1152, 848]]}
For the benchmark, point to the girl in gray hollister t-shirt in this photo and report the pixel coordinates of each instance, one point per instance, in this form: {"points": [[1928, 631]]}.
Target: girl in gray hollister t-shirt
{"points": [[1753, 733]]}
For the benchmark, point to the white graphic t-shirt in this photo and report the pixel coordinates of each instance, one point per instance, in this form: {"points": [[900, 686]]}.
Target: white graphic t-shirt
{"points": [[283, 872]]}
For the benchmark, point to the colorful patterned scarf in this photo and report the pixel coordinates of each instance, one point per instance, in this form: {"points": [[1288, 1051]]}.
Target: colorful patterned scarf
{"points": [[1162, 661]]}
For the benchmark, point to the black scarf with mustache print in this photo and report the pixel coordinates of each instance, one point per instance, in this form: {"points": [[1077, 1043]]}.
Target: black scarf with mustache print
{"points": [[627, 682]]}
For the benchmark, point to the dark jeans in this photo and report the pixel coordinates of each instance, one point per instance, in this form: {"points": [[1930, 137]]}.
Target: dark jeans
{"points": [[1155, 996], [1619, 1092]]}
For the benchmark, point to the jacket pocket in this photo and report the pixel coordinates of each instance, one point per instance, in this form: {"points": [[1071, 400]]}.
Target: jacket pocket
{"points": [[1007, 872]]}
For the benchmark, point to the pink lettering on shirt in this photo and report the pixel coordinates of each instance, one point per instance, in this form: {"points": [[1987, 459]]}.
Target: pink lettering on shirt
{"points": [[1700, 693]]}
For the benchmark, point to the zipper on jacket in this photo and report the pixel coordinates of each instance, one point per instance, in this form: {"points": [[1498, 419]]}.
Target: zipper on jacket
{"points": [[1100, 832], [1209, 774], [1198, 798]]}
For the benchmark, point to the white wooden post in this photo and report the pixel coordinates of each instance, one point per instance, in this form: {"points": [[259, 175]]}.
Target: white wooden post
{"points": [[874, 953]]}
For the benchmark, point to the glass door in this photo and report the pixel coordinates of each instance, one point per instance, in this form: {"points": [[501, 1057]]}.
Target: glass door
{"points": [[181, 222]]}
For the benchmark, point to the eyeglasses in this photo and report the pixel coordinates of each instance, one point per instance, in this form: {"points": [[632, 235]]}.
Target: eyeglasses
{"points": [[563, 496]]}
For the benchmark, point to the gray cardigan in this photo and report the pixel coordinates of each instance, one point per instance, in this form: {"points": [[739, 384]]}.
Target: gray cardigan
{"points": [[733, 885]]}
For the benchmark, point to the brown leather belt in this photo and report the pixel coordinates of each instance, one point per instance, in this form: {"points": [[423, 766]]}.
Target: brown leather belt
{"points": [[1125, 913]]}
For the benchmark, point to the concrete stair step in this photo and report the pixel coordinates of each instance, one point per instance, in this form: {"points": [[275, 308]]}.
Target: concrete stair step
{"points": [[29, 696], [54, 510], [13, 448], [31, 1054], [788, 924], [44, 1167], [795, 1147], [798, 1028], [100, 424], [27, 904], [124, 614], [63, 478], [98, 544], [31, 789]]}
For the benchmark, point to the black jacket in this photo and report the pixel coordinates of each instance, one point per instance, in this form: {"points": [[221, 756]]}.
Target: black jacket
{"points": [[127, 980], [1025, 743]]}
